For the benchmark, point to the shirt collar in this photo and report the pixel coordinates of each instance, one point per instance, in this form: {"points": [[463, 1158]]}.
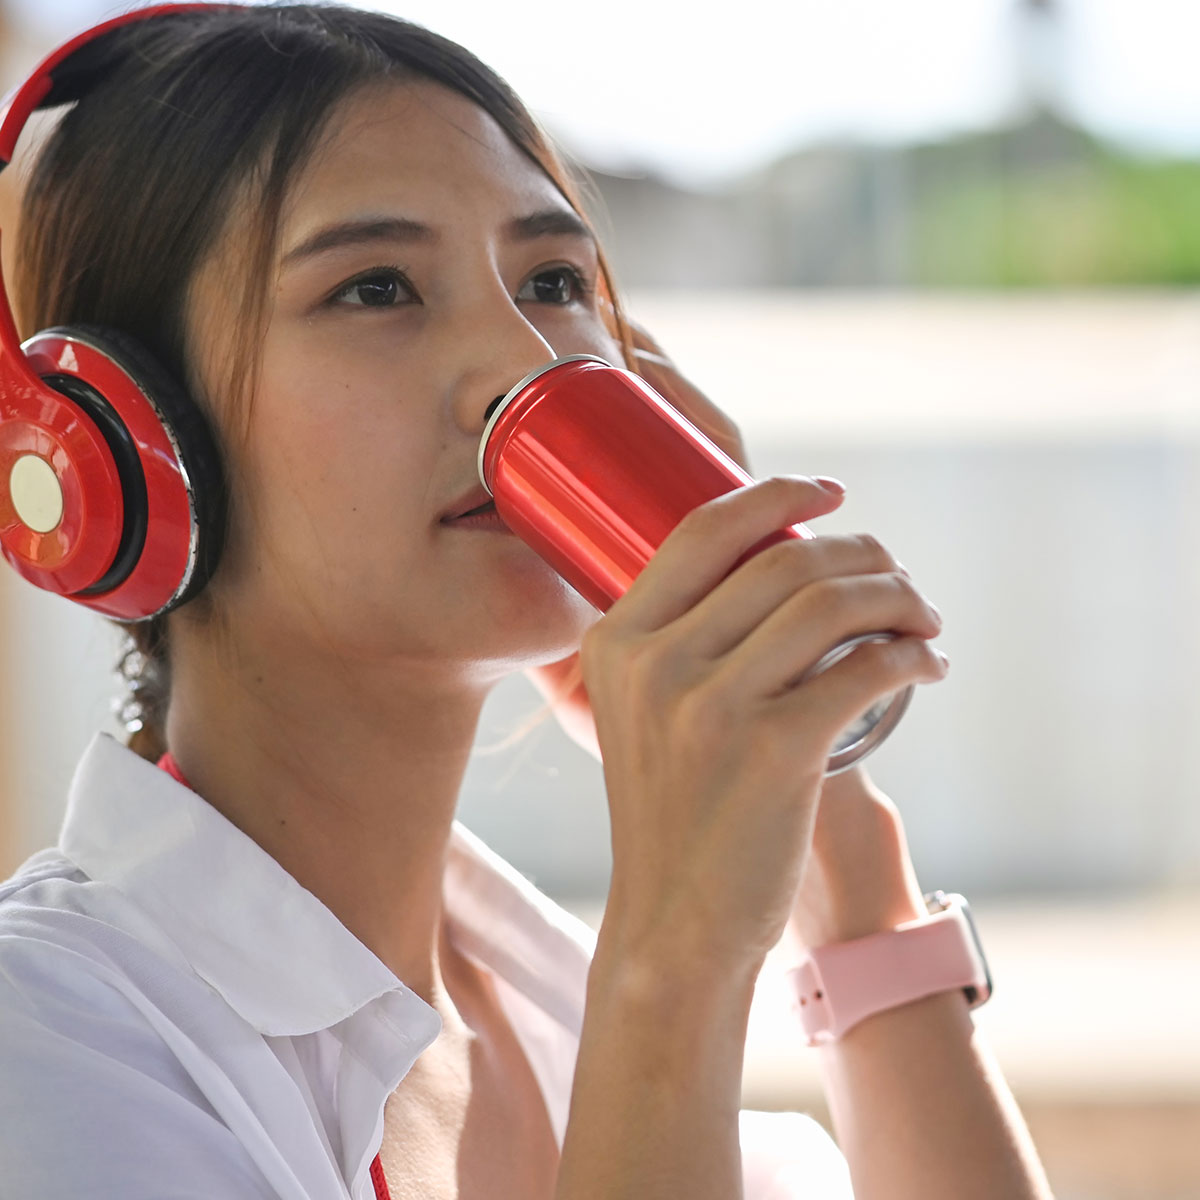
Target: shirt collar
{"points": [[276, 954], [499, 918], [272, 949]]}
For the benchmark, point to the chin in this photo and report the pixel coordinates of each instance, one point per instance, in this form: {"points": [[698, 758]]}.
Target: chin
{"points": [[547, 622]]}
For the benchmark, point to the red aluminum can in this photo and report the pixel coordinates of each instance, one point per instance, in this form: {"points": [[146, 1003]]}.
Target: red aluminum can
{"points": [[592, 468]]}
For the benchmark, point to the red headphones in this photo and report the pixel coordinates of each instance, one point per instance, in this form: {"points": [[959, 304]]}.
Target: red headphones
{"points": [[111, 490]]}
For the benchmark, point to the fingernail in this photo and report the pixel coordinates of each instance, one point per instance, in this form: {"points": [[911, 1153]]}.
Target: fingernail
{"points": [[942, 659], [836, 486]]}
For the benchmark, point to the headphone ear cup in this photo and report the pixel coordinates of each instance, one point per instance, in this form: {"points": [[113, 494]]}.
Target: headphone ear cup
{"points": [[167, 457], [193, 437]]}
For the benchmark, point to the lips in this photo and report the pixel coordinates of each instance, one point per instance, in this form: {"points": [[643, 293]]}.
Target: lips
{"points": [[474, 501]]}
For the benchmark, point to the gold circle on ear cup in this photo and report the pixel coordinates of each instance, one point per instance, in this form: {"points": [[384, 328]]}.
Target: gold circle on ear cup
{"points": [[36, 493]]}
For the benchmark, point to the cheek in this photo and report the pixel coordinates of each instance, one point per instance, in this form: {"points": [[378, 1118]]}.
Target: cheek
{"points": [[578, 332], [342, 482], [328, 420], [329, 476]]}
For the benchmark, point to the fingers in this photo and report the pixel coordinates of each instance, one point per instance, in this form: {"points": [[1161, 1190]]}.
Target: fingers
{"points": [[644, 340], [831, 701], [824, 614], [753, 632], [664, 376], [757, 589], [704, 547], [657, 369]]}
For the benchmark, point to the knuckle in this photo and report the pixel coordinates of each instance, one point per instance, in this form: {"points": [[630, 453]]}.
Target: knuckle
{"points": [[638, 668], [884, 653], [914, 599], [599, 646], [789, 562], [905, 586], [594, 639], [591, 652], [779, 490], [827, 597], [778, 483], [648, 666], [786, 487], [876, 552], [702, 520], [892, 657]]}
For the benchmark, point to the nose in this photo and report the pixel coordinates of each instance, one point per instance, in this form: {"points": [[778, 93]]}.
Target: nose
{"points": [[498, 348]]}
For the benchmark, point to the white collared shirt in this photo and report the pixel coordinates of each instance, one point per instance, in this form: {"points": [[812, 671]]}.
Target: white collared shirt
{"points": [[180, 1018]]}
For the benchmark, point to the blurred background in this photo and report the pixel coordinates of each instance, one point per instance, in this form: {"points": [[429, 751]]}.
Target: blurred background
{"points": [[949, 251]]}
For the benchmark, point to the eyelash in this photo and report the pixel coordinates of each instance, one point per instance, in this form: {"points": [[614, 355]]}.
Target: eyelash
{"points": [[391, 273], [582, 286]]}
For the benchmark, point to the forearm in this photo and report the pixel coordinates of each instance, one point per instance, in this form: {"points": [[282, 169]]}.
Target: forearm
{"points": [[920, 1109], [654, 1111]]}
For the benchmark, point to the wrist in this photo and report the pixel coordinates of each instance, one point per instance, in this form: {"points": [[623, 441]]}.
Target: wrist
{"points": [[680, 1020], [841, 984], [652, 962], [859, 878], [846, 913]]}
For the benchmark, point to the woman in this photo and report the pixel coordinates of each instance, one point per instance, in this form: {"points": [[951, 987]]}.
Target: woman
{"points": [[348, 239]]}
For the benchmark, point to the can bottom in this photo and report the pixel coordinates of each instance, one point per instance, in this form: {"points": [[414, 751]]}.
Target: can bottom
{"points": [[872, 729]]}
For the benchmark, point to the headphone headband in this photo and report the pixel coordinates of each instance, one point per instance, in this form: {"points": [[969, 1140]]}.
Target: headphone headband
{"points": [[27, 97], [30, 95], [111, 489]]}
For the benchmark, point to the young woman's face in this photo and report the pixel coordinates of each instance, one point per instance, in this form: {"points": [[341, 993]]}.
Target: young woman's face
{"points": [[426, 266]]}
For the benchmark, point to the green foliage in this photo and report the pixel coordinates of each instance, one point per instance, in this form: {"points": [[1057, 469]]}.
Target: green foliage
{"points": [[1045, 205]]}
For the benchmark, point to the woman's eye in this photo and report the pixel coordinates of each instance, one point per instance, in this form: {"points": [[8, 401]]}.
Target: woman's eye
{"points": [[555, 285], [376, 289]]}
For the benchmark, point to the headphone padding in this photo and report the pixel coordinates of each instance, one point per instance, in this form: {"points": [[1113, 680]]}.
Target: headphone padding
{"points": [[190, 431]]}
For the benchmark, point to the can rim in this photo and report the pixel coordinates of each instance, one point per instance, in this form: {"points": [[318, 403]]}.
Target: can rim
{"points": [[851, 755], [878, 733], [511, 394]]}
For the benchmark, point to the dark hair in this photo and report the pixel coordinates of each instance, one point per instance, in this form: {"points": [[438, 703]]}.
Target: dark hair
{"points": [[181, 114]]}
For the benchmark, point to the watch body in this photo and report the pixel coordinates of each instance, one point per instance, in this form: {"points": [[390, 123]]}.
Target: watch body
{"points": [[841, 984]]}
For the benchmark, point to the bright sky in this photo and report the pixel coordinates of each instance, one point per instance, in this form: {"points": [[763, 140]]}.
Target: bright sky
{"points": [[631, 83]]}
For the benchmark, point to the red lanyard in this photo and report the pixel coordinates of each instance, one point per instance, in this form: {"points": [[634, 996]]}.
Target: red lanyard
{"points": [[168, 764], [381, 1188]]}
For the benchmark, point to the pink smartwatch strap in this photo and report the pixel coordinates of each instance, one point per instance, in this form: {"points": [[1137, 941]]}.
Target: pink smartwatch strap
{"points": [[840, 984]]}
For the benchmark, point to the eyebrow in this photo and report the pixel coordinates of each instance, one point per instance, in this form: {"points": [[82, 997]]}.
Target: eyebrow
{"points": [[361, 232], [548, 222]]}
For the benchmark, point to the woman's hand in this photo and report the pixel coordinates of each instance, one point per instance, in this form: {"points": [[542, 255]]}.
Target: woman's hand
{"points": [[714, 757], [661, 374], [561, 683], [860, 877]]}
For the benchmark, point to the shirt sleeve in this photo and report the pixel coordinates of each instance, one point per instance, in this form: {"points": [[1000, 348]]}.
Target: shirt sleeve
{"points": [[91, 1103], [788, 1156]]}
